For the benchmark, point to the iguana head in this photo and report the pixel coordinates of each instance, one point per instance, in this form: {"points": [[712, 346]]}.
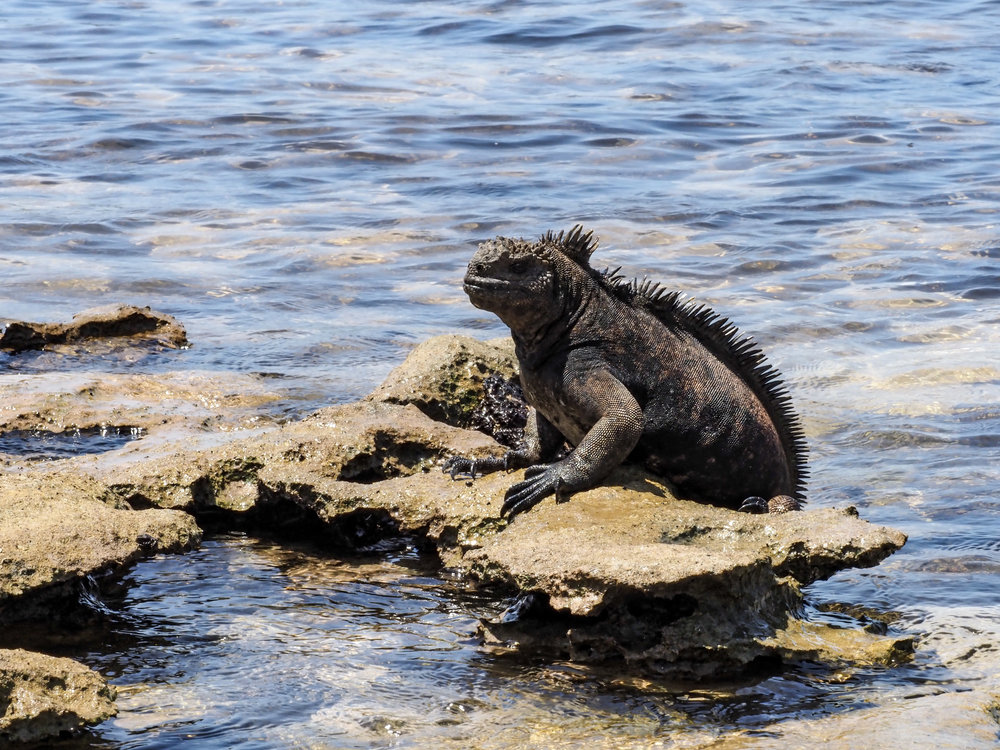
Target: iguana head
{"points": [[529, 284], [514, 279]]}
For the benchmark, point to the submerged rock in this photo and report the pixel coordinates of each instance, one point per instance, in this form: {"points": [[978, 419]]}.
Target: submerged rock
{"points": [[964, 719], [45, 696], [39, 411], [98, 323]]}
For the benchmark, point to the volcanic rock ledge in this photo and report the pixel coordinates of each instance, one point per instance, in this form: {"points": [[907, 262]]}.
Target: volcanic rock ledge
{"points": [[57, 531], [114, 321], [43, 696], [623, 573]]}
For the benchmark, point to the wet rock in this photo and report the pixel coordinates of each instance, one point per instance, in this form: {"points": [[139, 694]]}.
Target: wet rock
{"points": [[922, 722], [630, 573], [800, 640], [42, 697], [624, 572], [443, 376], [58, 528], [57, 413], [98, 323], [58, 532]]}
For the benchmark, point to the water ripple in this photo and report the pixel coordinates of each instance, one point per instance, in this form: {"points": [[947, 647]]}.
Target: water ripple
{"points": [[302, 184]]}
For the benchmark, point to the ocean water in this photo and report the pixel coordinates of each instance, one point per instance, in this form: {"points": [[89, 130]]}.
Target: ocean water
{"points": [[302, 182]]}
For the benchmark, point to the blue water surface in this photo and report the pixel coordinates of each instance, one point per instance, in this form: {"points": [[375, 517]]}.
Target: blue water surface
{"points": [[302, 182]]}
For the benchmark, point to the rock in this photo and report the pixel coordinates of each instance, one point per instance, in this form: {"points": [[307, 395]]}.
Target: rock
{"points": [[443, 376], [44, 696], [624, 572], [59, 401], [355, 445], [965, 719], [83, 412], [58, 528], [97, 323], [799, 640]]}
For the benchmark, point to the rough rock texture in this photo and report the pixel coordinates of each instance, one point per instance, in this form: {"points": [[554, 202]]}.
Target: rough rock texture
{"points": [[362, 448], [58, 528], [619, 574], [44, 696], [624, 571], [683, 588], [97, 323], [443, 376]]}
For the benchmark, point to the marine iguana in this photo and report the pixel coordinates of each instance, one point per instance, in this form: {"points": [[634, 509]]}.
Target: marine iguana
{"points": [[622, 369]]}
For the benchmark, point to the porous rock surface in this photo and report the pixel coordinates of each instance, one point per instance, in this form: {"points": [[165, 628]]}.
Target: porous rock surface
{"points": [[623, 572], [43, 696], [113, 321], [443, 376], [57, 528]]}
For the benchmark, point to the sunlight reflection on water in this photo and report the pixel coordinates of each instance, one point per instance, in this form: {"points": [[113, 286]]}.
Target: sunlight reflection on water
{"points": [[302, 183]]}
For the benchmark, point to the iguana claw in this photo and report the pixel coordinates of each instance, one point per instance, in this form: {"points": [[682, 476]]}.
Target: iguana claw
{"points": [[539, 482], [457, 466], [754, 504]]}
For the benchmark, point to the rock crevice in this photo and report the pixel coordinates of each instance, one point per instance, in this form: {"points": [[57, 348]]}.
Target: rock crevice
{"points": [[624, 573]]}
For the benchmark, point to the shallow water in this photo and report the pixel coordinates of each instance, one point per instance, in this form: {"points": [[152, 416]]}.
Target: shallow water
{"points": [[247, 643], [301, 184], [46, 445]]}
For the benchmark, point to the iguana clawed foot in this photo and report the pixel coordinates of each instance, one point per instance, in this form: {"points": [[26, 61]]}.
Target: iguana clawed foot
{"points": [[777, 504], [539, 482], [755, 504], [457, 466]]}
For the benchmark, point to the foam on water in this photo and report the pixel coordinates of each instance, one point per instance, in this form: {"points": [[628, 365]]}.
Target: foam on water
{"points": [[302, 183]]}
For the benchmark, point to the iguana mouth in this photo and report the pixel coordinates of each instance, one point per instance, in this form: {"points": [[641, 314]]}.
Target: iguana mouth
{"points": [[480, 284]]}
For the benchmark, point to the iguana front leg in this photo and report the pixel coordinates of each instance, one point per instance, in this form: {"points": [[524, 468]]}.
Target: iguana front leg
{"points": [[542, 442], [618, 424]]}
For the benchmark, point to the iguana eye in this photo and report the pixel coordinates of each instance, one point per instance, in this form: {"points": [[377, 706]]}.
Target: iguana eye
{"points": [[519, 266]]}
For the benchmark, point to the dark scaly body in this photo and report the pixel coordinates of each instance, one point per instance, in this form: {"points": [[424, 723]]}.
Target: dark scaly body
{"points": [[623, 370]]}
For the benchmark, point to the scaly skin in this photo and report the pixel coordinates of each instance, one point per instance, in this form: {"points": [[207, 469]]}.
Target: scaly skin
{"points": [[622, 370]]}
